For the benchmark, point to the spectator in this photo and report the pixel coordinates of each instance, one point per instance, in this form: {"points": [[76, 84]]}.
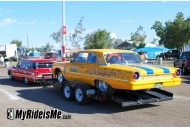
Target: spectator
{"points": [[144, 57], [1, 61]]}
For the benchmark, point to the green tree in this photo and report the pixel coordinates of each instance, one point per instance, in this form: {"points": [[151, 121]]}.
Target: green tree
{"points": [[77, 36], [98, 40], [138, 38], [17, 42], [174, 34], [154, 41], [46, 48]]}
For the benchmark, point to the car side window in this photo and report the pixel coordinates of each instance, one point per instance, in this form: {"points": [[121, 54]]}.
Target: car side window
{"points": [[29, 65], [92, 58], [19, 64], [23, 65], [81, 57]]}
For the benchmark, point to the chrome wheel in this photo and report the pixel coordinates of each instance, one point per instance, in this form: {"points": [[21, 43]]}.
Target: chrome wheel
{"points": [[60, 77], [25, 80], [103, 86], [10, 76], [67, 91], [79, 95]]}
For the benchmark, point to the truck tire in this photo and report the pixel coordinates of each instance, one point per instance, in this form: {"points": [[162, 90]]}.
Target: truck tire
{"points": [[80, 95], [184, 70], [67, 91]]}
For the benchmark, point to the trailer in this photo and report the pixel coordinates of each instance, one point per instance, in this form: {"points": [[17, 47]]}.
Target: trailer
{"points": [[87, 92], [10, 50]]}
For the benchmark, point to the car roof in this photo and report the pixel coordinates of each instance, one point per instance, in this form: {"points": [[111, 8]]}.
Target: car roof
{"points": [[106, 50], [39, 60]]}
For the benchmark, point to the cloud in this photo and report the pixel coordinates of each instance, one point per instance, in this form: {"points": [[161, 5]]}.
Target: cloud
{"points": [[6, 22], [113, 35], [4, 11], [36, 22], [28, 22], [127, 20]]}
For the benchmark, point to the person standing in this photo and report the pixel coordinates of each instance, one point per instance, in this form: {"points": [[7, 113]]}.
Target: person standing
{"points": [[144, 57], [2, 61]]}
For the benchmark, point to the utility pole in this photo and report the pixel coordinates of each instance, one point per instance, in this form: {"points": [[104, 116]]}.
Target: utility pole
{"points": [[63, 32], [27, 43]]}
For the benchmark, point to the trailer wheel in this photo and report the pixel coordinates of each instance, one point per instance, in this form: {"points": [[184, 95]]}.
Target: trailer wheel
{"points": [[80, 95], [67, 91]]}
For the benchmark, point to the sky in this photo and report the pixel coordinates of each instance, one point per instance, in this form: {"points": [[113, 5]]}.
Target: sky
{"points": [[39, 20]]}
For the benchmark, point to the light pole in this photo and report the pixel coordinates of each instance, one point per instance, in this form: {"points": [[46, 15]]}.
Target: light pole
{"points": [[63, 32]]}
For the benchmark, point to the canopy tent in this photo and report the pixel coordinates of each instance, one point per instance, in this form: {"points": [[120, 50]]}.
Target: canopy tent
{"points": [[152, 52], [34, 54]]}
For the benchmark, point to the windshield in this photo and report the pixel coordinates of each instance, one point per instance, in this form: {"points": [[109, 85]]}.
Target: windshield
{"points": [[44, 65], [186, 54], [123, 58]]}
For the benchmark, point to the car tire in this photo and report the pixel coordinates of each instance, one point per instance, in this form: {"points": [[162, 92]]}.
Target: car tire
{"points": [[11, 76], [60, 78], [80, 95], [26, 81], [67, 91], [109, 91], [184, 70]]}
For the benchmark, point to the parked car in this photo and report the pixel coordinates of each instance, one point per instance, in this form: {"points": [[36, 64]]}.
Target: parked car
{"points": [[50, 55], [183, 62], [169, 54], [108, 71], [31, 70]]}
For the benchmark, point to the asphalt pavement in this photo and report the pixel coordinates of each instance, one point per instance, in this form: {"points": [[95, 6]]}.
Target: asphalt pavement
{"points": [[15, 94]]}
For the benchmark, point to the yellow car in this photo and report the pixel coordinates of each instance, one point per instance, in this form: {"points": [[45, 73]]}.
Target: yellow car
{"points": [[110, 70]]}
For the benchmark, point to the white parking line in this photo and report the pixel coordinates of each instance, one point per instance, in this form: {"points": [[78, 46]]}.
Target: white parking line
{"points": [[180, 97], [11, 96]]}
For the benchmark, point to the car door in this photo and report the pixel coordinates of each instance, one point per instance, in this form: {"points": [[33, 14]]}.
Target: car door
{"points": [[15, 71], [90, 69], [21, 70], [75, 69]]}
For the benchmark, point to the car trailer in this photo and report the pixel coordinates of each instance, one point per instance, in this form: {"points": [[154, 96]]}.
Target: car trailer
{"points": [[123, 97]]}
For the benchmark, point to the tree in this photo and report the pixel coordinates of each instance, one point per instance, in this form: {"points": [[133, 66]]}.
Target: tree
{"points": [[47, 48], [138, 38], [117, 42], [17, 42], [154, 41], [175, 34], [77, 36], [99, 39], [57, 36]]}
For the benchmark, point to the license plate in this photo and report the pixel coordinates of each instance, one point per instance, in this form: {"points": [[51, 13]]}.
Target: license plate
{"points": [[158, 85]]}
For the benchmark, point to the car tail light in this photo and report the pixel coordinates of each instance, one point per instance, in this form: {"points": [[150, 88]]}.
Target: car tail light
{"points": [[36, 73], [178, 73], [136, 76]]}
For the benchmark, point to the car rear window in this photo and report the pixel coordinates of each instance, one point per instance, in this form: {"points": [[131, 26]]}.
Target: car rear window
{"points": [[44, 65]]}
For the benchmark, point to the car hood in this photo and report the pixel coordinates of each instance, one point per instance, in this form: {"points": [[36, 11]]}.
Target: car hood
{"points": [[145, 69]]}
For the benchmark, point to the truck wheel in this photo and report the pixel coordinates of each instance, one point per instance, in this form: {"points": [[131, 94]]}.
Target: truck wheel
{"points": [[60, 78], [80, 95], [67, 91], [184, 70]]}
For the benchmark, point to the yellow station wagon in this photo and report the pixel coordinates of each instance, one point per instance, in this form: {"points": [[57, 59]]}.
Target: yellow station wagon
{"points": [[107, 71]]}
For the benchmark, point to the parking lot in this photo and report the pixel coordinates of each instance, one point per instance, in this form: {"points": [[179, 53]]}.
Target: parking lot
{"points": [[15, 94]]}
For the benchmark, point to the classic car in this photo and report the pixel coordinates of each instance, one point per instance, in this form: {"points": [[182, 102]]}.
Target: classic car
{"points": [[183, 62], [31, 70], [108, 70]]}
